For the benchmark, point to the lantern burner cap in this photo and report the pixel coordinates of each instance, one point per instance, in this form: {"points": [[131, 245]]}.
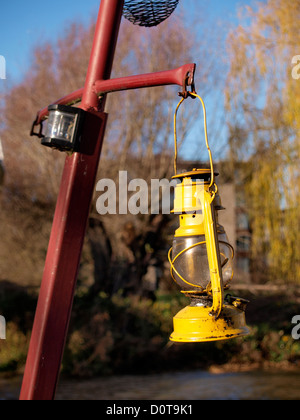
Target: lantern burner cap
{"points": [[203, 174]]}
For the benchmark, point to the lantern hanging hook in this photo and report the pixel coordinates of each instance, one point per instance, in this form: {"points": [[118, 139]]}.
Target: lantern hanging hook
{"points": [[194, 95]]}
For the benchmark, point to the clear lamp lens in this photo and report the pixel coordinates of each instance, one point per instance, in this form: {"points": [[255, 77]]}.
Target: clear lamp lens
{"points": [[191, 265], [192, 271], [61, 126]]}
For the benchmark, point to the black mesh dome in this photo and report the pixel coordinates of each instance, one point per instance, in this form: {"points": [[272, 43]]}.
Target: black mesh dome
{"points": [[150, 12]]}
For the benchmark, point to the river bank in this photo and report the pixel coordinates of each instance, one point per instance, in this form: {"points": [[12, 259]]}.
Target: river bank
{"points": [[130, 335]]}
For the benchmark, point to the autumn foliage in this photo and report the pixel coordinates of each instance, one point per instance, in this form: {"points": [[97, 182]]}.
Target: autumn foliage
{"points": [[264, 119]]}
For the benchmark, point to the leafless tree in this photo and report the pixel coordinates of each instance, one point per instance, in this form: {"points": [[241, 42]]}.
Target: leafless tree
{"points": [[120, 251]]}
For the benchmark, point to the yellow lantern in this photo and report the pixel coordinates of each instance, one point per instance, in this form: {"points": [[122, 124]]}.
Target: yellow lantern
{"points": [[202, 259]]}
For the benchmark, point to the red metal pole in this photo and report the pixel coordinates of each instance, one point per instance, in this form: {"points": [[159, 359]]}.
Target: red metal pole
{"points": [[69, 226]]}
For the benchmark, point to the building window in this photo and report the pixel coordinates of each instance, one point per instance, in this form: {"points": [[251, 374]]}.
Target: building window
{"points": [[242, 221], [243, 243], [243, 264]]}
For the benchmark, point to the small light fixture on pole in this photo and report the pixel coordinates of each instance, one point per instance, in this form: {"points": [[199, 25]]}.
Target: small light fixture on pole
{"points": [[64, 128], [202, 259]]}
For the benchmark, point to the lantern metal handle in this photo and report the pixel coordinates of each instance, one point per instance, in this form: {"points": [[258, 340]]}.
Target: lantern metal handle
{"points": [[205, 132]]}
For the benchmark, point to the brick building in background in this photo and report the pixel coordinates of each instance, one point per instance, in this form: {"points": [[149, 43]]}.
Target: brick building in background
{"points": [[235, 220]]}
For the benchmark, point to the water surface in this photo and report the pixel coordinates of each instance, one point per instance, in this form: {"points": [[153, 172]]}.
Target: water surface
{"points": [[196, 385]]}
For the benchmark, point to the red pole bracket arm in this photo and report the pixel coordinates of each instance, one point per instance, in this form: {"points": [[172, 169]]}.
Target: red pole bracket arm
{"points": [[183, 76], [164, 78]]}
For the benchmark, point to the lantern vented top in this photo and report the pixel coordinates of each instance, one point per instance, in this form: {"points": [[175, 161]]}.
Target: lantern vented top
{"points": [[150, 12]]}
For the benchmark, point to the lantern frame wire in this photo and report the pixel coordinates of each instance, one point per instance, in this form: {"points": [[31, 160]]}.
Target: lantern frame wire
{"points": [[174, 270], [172, 262]]}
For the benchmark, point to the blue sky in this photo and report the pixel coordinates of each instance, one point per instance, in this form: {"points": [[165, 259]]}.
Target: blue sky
{"points": [[24, 24]]}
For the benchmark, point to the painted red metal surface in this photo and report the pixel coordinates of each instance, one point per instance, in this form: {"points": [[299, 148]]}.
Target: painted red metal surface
{"points": [[177, 76], [73, 205], [101, 87], [68, 230], [103, 50], [57, 289]]}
